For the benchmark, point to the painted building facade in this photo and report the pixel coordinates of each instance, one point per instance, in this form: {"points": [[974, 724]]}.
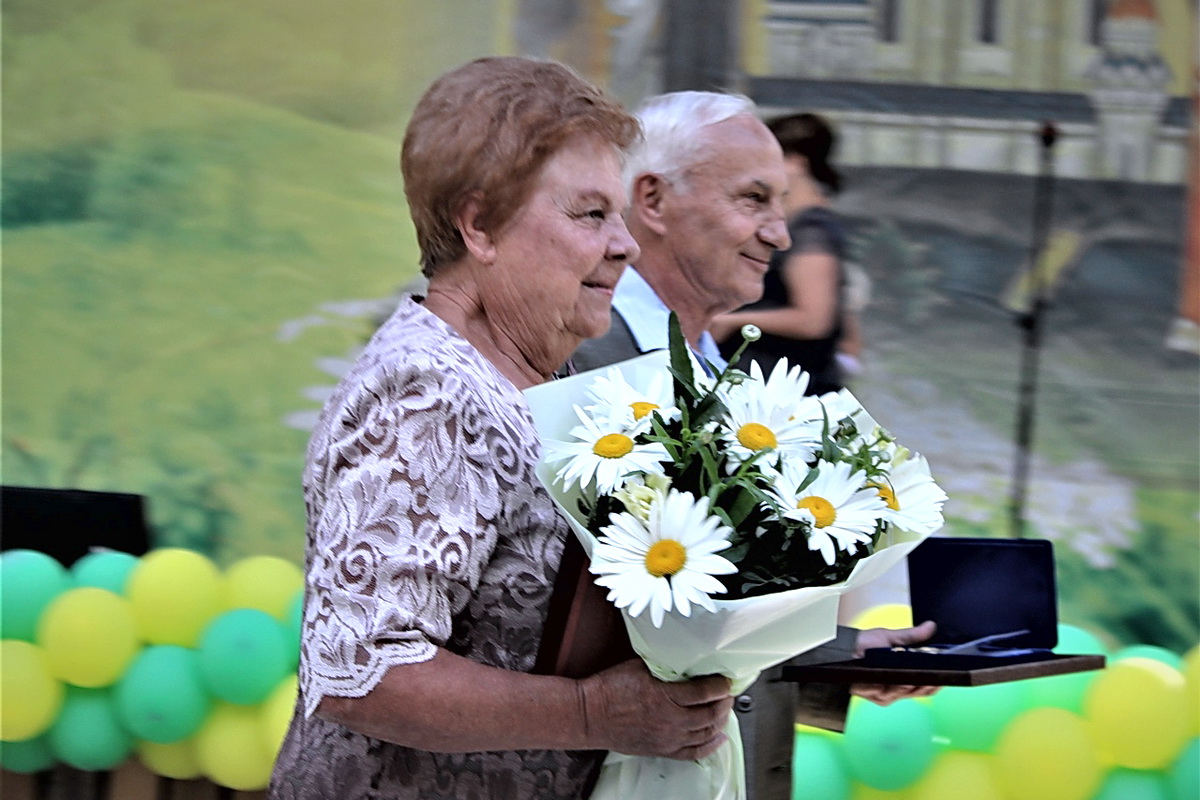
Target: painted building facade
{"points": [[967, 84]]}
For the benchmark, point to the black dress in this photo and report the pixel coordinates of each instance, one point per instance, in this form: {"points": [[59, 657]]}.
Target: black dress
{"points": [[814, 230]]}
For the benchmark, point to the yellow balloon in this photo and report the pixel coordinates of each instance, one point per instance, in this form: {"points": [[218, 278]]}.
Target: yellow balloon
{"points": [[1191, 679], [860, 791], [174, 593], [266, 583], [812, 730], [30, 697], [89, 636], [276, 713], [955, 775], [231, 750], [175, 760], [888, 615], [1136, 713], [1045, 754]]}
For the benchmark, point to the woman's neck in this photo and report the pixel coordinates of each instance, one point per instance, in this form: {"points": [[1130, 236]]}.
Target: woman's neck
{"points": [[462, 311]]}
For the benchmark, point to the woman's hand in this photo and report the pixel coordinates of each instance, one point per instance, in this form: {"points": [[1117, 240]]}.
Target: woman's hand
{"points": [[628, 710]]}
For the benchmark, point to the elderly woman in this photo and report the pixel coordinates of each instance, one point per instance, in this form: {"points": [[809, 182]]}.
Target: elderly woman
{"points": [[432, 548]]}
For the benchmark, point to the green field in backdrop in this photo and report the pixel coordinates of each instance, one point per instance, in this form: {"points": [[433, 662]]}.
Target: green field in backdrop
{"points": [[203, 219]]}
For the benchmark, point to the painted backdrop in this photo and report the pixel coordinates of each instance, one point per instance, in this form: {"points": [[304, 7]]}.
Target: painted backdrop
{"points": [[203, 221]]}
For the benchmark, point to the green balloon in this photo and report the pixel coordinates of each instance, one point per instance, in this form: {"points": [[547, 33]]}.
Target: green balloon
{"points": [[104, 569], [29, 580], [888, 747], [87, 733], [1077, 641], [817, 769], [1132, 784], [27, 756], [161, 697], [1059, 691], [972, 717], [243, 655], [293, 624], [1183, 777], [1065, 691]]}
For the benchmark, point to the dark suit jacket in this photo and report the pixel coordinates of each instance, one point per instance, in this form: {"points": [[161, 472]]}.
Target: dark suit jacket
{"points": [[616, 345]]}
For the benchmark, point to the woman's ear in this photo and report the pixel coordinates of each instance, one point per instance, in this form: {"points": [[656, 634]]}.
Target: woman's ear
{"points": [[478, 241], [647, 200]]}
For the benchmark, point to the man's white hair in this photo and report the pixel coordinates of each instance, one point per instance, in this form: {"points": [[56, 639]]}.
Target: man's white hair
{"points": [[670, 126]]}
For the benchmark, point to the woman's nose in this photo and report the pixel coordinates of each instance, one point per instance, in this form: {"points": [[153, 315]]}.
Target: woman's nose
{"points": [[623, 247]]}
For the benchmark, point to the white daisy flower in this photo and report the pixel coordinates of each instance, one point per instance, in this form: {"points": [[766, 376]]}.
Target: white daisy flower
{"points": [[665, 562], [772, 414], [863, 431], [841, 404], [616, 402], [840, 511], [914, 501], [604, 455]]}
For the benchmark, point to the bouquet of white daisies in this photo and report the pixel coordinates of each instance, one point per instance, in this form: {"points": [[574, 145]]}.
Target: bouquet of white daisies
{"points": [[725, 512]]}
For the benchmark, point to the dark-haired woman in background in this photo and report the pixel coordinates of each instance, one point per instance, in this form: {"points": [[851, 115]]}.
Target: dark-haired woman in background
{"points": [[801, 312]]}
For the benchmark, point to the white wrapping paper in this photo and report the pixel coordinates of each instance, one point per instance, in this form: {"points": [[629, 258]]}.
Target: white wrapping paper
{"points": [[742, 638]]}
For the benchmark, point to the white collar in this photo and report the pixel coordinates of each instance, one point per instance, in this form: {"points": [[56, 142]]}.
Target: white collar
{"points": [[647, 317]]}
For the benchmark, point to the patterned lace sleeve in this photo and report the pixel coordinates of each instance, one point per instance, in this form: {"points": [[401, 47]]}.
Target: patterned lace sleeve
{"points": [[403, 502]]}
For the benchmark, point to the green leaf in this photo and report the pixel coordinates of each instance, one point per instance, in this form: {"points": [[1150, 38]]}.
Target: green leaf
{"points": [[744, 502], [681, 362], [736, 553]]}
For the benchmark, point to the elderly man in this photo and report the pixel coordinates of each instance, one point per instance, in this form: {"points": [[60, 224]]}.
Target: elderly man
{"points": [[706, 192], [706, 207]]}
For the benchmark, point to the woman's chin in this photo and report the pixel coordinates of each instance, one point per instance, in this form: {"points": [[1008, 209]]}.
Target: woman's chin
{"points": [[593, 329]]}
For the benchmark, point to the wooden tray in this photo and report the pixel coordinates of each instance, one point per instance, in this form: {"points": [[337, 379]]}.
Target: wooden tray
{"points": [[975, 672]]}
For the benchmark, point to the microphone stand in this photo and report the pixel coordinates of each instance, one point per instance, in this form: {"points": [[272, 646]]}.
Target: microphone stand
{"points": [[1030, 323]]}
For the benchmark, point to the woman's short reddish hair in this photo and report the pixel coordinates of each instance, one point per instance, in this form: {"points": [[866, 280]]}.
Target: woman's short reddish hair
{"points": [[487, 127]]}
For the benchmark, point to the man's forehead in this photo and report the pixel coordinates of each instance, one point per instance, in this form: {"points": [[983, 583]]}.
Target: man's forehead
{"points": [[746, 166], [743, 128]]}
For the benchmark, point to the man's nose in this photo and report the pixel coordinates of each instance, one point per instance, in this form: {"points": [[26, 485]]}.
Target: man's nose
{"points": [[775, 233]]}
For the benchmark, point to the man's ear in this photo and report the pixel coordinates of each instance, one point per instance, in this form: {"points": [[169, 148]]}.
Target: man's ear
{"points": [[478, 241], [647, 200]]}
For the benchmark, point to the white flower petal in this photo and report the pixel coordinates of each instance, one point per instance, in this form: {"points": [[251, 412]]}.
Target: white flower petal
{"points": [[619, 557]]}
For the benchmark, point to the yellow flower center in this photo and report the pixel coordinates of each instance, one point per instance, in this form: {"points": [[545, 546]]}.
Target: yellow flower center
{"points": [[822, 510], [665, 557], [888, 494], [613, 445], [754, 436], [641, 409]]}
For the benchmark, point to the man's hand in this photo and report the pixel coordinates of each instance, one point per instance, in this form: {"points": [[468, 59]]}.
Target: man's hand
{"points": [[886, 694], [887, 637]]}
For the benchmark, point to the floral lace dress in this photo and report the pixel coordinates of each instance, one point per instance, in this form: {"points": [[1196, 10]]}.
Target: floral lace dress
{"points": [[427, 528]]}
